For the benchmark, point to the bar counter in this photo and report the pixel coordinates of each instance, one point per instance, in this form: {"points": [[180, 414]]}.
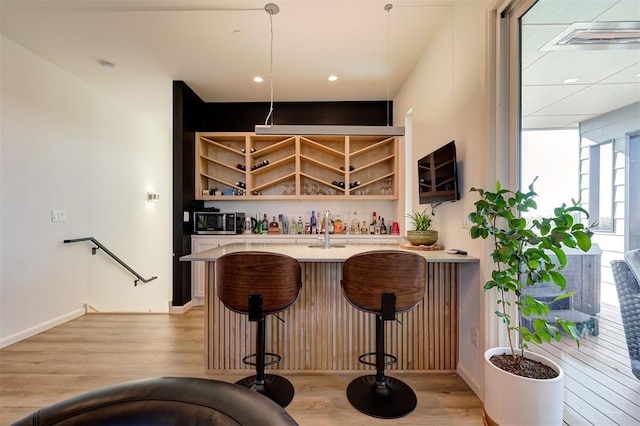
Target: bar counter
{"points": [[322, 332]]}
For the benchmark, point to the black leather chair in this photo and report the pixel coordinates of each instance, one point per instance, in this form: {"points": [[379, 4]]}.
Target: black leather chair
{"points": [[164, 401], [383, 283]]}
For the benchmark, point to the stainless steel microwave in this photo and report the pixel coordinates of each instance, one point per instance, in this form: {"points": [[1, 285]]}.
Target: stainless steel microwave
{"points": [[218, 223]]}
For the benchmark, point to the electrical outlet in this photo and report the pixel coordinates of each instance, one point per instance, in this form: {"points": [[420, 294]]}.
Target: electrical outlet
{"points": [[474, 335], [58, 215]]}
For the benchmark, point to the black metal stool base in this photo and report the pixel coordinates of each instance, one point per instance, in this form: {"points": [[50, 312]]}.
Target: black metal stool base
{"points": [[276, 388], [392, 401]]}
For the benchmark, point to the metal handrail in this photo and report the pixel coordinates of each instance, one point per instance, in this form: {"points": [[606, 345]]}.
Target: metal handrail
{"points": [[113, 256]]}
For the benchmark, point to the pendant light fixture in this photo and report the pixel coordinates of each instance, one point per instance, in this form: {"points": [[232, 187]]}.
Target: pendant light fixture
{"points": [[271, 129]]}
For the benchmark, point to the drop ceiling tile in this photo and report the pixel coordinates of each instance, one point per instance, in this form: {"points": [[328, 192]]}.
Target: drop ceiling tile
{"points": [[623, 10], [566, 11], [589, 67], [534, 37], [628, 75], [553, 121], [609, 97], [536, 98]]}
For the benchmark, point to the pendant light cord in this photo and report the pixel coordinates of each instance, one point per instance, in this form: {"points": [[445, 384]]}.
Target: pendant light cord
{"points": [[270, 115], [388, 7]]}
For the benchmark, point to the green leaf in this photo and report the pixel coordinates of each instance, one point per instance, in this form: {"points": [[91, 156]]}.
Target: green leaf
{"points": [[558, 279], [583, 239]]}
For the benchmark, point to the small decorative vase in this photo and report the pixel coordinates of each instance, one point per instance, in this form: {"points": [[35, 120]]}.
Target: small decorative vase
{"points": [[422, 238]]}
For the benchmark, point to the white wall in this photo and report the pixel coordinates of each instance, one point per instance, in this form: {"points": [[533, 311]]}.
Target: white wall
{"points": [[67, 146], [447, 93]]}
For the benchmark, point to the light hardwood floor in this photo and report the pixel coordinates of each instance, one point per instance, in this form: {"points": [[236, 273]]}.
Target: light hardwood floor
{"points": [[98, 350], [600, 388]]}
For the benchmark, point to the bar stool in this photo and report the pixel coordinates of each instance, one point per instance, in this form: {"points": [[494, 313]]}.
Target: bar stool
{"points": [[259, 284], [383, 283]]}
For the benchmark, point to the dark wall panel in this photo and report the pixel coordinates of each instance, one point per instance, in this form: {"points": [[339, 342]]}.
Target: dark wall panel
{"points": [[187, 118], [243, 116]]}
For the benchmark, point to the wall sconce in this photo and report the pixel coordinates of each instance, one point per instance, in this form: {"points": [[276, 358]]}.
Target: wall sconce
{"points": [[152, 196]]}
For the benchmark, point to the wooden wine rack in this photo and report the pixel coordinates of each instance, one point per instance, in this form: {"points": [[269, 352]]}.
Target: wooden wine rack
{"points": [[295, 167]]}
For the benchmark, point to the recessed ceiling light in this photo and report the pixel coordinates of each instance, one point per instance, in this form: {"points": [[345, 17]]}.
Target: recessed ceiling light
{"points": [[570, 80], [106, 65], [333, 78], [258, 79]]}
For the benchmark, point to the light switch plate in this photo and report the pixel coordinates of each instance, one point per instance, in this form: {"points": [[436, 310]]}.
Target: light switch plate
{"points": [[58, 215]]}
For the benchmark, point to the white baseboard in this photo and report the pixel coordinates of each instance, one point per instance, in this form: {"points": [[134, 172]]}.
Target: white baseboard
{"points": [[473, 384], [32, 331], [179, 310]]}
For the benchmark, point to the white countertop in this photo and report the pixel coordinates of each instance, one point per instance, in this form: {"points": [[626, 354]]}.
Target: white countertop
{"points": [[304, 253]]}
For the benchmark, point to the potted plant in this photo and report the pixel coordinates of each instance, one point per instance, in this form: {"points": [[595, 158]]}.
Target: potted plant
{"points": [[422, 235], [522, 387]]}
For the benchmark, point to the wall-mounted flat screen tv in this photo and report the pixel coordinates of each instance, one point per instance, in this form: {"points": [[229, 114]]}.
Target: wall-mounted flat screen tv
{"points": [[438, 176]]}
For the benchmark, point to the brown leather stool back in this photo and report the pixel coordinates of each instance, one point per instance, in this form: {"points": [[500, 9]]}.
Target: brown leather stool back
{"points": [[258, 284], [276, 277], [383, 282], [367, 276]]}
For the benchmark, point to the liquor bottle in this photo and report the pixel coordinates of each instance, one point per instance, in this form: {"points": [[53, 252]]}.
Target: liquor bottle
{"points": [[383, 227], [364, 229], [274, 227], [313, 224], [299, 225], [265, 224], [338, 226], [372, 225], [332, 225], [293, 227], [258, 224], [322, 224], [355, 224]]}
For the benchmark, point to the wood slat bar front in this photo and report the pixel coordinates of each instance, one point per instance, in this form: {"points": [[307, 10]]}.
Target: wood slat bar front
{"points": [[323, 332]]}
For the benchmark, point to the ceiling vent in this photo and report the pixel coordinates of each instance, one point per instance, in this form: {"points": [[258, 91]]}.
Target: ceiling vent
{"points": [[597, 36]]}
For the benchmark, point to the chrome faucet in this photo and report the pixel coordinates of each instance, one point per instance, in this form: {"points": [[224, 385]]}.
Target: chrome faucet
{"points": [[327, 243]]}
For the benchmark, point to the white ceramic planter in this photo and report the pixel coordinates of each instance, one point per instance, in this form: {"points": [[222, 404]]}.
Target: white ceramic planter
{"points": [[514, 400]]}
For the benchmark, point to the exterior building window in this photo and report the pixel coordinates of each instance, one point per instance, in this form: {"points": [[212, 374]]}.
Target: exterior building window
{"points": [[601, 168]]}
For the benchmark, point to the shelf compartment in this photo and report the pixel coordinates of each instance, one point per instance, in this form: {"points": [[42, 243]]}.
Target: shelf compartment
{"points": [[373, 171], [334, 145], [319, 153], [383, 185], [232, 143], [275, 153], [211, 182], [313, 186], [321, 172], [270, 179], [265, 145], [213, 174], [276, 186], [360, 145]]}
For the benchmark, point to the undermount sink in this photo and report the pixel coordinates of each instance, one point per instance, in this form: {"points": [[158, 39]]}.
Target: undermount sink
{"points": [[321, 245]]}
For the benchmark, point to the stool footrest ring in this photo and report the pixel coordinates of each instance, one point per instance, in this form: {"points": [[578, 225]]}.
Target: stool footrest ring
{"points": [[276, 359], [392, 359]]}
